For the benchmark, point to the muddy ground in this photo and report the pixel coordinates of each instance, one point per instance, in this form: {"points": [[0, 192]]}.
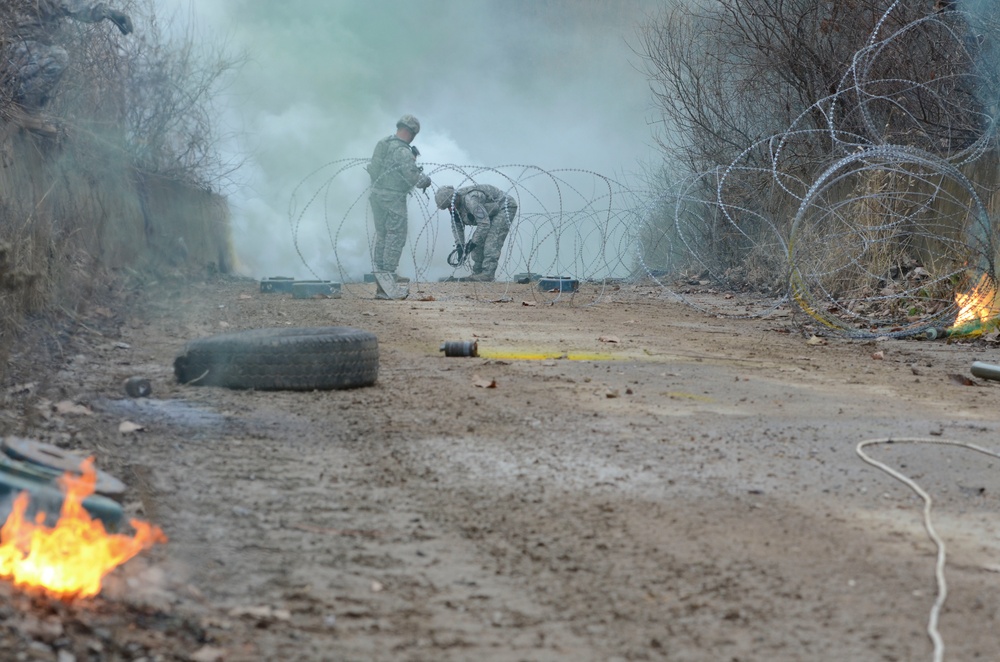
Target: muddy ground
{"points": [[690, 492]]}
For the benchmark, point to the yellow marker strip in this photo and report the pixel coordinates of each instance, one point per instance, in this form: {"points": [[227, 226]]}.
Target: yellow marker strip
{"points": [[544, 356]]}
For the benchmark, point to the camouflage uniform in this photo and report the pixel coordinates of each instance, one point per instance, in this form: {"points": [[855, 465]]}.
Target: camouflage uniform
{"points": [[394, 172], [31, 60], [492, 211]]}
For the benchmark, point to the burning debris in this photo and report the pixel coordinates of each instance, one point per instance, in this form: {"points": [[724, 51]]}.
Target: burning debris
{"points": [[978, 312], [69, 559]]}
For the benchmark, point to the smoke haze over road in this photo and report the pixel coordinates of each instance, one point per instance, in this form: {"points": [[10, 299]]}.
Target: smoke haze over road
{"points": [[546, 83]]}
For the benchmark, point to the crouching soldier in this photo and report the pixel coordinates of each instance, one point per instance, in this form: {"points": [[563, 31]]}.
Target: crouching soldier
{"points": [[491, 211]]}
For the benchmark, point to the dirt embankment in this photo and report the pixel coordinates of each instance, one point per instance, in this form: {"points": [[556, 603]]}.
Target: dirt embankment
{"points": [[78, 221], [690, 492]]}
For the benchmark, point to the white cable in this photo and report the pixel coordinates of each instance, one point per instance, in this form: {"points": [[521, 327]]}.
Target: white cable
{"points": [[932, 623]]}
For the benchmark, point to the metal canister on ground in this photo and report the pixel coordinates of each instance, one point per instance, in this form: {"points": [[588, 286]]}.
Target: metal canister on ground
{"points": [[138, 387], [985, 370], [460, 348]]}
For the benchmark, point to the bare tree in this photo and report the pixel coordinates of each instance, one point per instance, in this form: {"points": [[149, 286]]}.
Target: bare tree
{"points": [[767, 92], [154, 91], [170, 112]]}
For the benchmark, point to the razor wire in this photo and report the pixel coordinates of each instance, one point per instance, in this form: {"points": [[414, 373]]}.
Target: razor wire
{"points": [[868, 219], [572, 226]]}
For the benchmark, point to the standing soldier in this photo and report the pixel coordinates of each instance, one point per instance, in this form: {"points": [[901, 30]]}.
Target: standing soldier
{"points": [[394, 173], [32, 62], [489, 209]]}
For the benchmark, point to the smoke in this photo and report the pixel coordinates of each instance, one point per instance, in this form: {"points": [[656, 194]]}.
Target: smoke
{"points": [[545, 83]]}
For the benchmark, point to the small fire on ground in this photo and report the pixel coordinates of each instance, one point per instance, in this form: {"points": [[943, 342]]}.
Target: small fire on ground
{"points": [[979, 305], [71, 558]]}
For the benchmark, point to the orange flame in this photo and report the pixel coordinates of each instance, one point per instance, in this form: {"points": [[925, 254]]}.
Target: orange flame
{"points": [[70, 559], [979, 305]]}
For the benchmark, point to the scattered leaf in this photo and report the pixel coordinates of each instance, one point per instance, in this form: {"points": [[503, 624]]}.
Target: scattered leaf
{"points": [[261, 613], [127, 427], [528, 303], [429, 297], [816, 340], [70, 408], [879, 355], [611, 393], [483, 383], [609, 339], [44, 408], [209, 654]]}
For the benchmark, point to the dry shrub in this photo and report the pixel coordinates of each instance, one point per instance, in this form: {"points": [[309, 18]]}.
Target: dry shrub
{"points": [[731, 77], [125, 182]]}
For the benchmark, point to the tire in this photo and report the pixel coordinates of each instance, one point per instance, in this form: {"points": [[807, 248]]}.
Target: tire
{"points": [[297, 359]]}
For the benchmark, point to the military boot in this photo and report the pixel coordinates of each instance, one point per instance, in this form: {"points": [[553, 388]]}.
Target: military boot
{"points": [[386, 286], [481, 277]]}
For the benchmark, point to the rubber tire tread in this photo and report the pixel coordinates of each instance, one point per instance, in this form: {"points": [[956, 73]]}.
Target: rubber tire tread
{"points": [[297, 358]]}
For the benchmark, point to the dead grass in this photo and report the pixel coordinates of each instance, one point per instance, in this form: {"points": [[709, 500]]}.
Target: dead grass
{"points": [[75, 218]]}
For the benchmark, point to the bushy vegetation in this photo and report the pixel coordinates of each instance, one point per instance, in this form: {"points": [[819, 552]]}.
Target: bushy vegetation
{"points": [[759, 96], [118, 173]]}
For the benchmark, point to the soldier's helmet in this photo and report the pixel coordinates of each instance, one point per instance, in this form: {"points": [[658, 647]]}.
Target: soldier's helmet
{"points": [[410, 122], [444, 196]]}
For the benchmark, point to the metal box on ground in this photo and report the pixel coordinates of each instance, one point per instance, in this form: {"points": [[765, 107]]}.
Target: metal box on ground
{"points": [[276, 284], [558, 284], [311, 289]]}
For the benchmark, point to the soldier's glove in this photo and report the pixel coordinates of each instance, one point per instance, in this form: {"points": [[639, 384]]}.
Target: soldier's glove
{"points": [[120, 19], [423, 182], [469, 247]]}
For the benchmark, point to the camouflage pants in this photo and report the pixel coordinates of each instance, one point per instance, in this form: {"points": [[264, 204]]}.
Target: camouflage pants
{"points": [[33, 69], [486, 257], [389, 212]]}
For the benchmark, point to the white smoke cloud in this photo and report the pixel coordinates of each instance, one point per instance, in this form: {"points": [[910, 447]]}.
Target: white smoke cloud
{"points": [[546, 83]]}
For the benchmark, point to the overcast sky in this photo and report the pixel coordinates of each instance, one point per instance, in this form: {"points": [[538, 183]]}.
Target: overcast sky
{"points": [[546, 83]]}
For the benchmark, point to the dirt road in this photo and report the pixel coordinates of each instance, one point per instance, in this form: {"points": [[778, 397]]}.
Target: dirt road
{"points": [[680, 488]]}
